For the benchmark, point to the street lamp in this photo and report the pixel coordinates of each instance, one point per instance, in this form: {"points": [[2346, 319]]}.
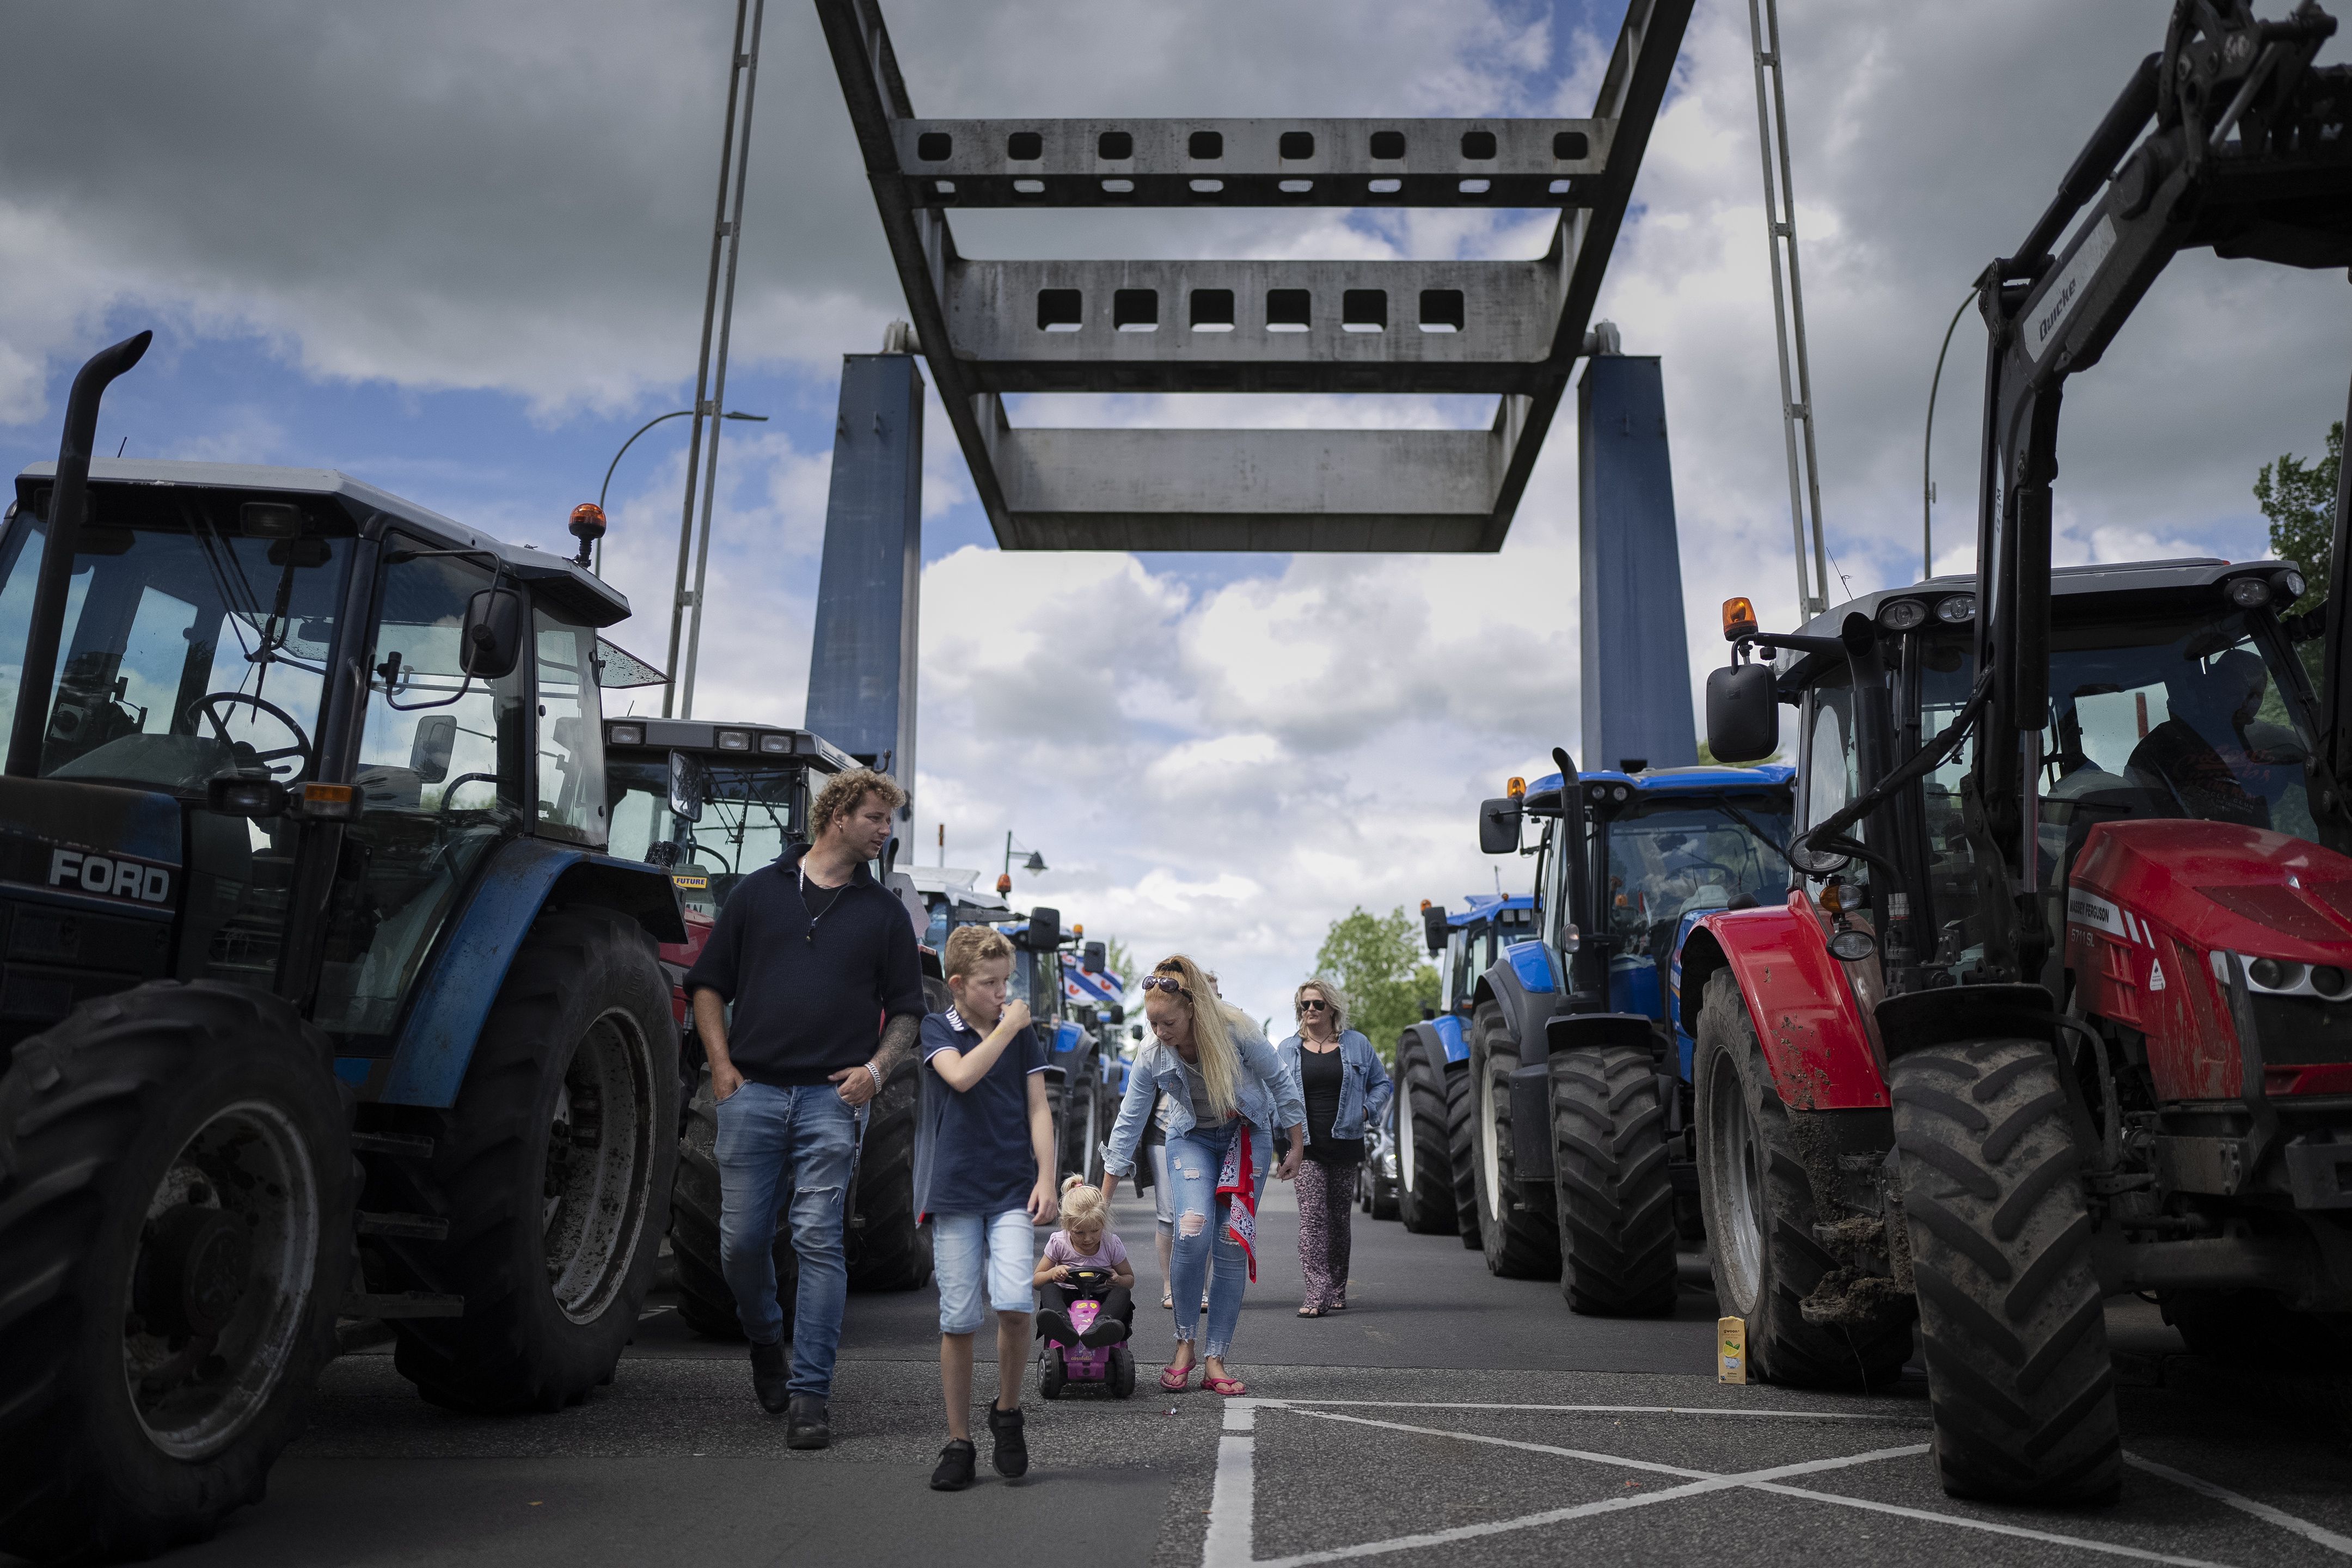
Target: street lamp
{"points": [[674, 414], [1034, 865]]}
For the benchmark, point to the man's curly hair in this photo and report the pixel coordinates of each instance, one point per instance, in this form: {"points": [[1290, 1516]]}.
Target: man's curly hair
{"points": [[845, 791]]}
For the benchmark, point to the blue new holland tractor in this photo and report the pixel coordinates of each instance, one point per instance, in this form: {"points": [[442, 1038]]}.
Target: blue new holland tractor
{"points": [[1580, 1050], [319, 997], [1430, 1115]]}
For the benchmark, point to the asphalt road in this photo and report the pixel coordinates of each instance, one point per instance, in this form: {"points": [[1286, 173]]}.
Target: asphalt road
{"points": [[1447, 1417]]}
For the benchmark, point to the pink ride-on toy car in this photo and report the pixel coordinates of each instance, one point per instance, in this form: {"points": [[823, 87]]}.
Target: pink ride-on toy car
{"points": [[1110, 1367]]}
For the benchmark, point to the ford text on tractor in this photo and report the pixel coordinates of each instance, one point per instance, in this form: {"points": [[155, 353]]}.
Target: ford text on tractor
{"points": [[710, 801], [2062, 1005], [1429, 1118], [320, 997], [1579, 1054]]}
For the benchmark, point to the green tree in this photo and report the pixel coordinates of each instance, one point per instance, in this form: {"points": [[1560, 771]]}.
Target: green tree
{"points": [[2299, 499], [1117, 959], [1378, 961]]}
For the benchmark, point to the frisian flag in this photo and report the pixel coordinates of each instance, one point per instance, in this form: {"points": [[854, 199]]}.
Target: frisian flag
{"points": [[1089, 990]]}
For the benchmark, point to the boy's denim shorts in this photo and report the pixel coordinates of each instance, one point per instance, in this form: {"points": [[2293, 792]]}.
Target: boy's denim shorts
{"points": [[962, 1244]]}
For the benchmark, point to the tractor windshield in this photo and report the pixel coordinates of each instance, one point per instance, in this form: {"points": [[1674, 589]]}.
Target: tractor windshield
{"points": [[1680, 856], [2188, 713], [749, 813], [197, 633]]}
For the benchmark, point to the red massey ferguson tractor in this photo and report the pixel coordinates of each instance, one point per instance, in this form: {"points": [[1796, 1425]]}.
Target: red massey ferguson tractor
{"points": [[2060, 1006]]}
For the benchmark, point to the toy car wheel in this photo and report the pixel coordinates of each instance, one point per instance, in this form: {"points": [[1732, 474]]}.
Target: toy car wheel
{"points": [[1122, 1371], [1051, 1378], [175, 1237]]}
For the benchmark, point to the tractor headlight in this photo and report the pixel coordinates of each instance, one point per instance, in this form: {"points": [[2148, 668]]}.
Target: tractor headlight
{"points": [[2250, 593], [1902, 615], [1957, 610], [625, 734], [776, 743], [734, 740]]}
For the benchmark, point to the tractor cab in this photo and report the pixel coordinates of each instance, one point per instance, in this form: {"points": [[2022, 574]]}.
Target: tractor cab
{"points": [[1468, 941]]}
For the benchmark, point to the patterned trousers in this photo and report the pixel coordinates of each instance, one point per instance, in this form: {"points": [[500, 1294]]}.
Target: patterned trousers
{"points": [[1326, 1202]]}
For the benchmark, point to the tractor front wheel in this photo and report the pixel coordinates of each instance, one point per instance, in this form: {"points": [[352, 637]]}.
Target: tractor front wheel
{"points": [[175, 1240], [554, 1170], [2019, 1377], [1616, 1201], [1424, 1168], [1520, 1235]]}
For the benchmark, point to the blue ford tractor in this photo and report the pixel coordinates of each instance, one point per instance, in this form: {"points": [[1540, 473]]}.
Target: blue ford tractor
{"points": [[320, 999], [1430, 1115], [1580, 1049]]}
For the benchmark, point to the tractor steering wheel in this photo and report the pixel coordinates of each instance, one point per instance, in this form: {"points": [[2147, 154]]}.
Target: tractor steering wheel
{"points": [[450, 793], [207, 705]]}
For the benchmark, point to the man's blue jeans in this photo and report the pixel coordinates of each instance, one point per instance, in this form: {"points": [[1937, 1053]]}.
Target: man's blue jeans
{"points": [[772, 1140]]}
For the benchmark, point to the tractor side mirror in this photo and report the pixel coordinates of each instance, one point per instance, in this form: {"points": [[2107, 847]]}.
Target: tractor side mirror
{"points": [[1743, 717], [430, 748], [686, 786], [1117, 1014], [490, 643], [1498, 826], [1094, 957], [1432, 928], [1045, 933]]}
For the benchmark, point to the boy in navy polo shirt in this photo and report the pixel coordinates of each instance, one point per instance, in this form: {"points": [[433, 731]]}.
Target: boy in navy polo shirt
{"points": [[987, 1179]]}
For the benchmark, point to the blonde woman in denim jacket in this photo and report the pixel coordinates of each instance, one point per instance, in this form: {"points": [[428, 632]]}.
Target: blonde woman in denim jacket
{"points": [[1345, 1092], [1226, 1085]]}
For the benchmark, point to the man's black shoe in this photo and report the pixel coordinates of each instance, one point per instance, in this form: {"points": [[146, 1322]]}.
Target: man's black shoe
{"points": [[1055, 1325], [1010, 1456], [768, 1378], [957, 1462], [1105, 1332], [806, 1426]]}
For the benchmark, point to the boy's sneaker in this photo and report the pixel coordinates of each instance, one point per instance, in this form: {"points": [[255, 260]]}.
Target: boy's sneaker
{"points": [[1105, 1332], [1010, 1456], [807, 1426], [768, 1378], [958, 1460], [1053, 1323]]}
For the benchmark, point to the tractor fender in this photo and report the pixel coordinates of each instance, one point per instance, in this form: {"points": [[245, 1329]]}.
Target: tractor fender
{"points": [[462, 979], [1816, 1037], [1525, 981], [1442, 1040]]}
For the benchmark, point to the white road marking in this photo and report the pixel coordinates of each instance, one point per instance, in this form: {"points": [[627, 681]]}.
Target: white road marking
{"points": [[1872, 1416], [1229, 1541], [2262, 1510]]}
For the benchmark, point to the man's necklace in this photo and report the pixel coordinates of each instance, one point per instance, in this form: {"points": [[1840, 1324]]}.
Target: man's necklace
{"points": [[817, 915]]}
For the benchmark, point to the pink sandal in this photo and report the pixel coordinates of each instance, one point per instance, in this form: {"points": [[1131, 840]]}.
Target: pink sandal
{"points": [[1228, 1387], [1176, 1380]]}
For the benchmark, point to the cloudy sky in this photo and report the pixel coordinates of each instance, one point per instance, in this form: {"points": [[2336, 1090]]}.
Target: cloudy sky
{"points": [[457, 250]]}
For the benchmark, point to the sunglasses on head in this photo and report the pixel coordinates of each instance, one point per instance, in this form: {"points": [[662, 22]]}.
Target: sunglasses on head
{"points": [[1314, 1004], [1167, 983]]}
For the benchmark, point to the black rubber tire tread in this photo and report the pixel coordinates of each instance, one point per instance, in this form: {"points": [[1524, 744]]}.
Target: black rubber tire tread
{"points": [[2019, 1376], [704, 1301], [1781, 1346], [1051, 1379], [1462, 1152], [90, 1111], [515, 1350], [889, 1251], [1428, 1207], [1122, 1373], [1520, 1237], [1615, 1200]]}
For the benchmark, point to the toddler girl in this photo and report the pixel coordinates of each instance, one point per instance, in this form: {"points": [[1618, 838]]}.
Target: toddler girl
{"points": [[1085, 1241]]}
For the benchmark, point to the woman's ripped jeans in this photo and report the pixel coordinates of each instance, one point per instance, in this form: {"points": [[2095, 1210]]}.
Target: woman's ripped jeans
{"points": [[1194, 1162]]}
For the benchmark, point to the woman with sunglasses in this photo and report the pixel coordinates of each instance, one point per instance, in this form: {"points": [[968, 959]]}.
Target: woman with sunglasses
{"points": [[1346, 1090], [1229, 1092]]}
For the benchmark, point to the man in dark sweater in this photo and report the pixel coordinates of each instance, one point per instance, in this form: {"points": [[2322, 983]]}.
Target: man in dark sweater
{"points": [[818, 961]]}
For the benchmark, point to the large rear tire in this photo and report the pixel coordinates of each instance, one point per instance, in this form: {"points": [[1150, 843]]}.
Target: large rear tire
{"points": [[1424, 1167], [1761, 1212], [704, 1300], [1462, 1150], [887, 1250], [1615, 1199], [176, 1239], [2019, 1376], [1519, 1233], [554, 1170]]}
